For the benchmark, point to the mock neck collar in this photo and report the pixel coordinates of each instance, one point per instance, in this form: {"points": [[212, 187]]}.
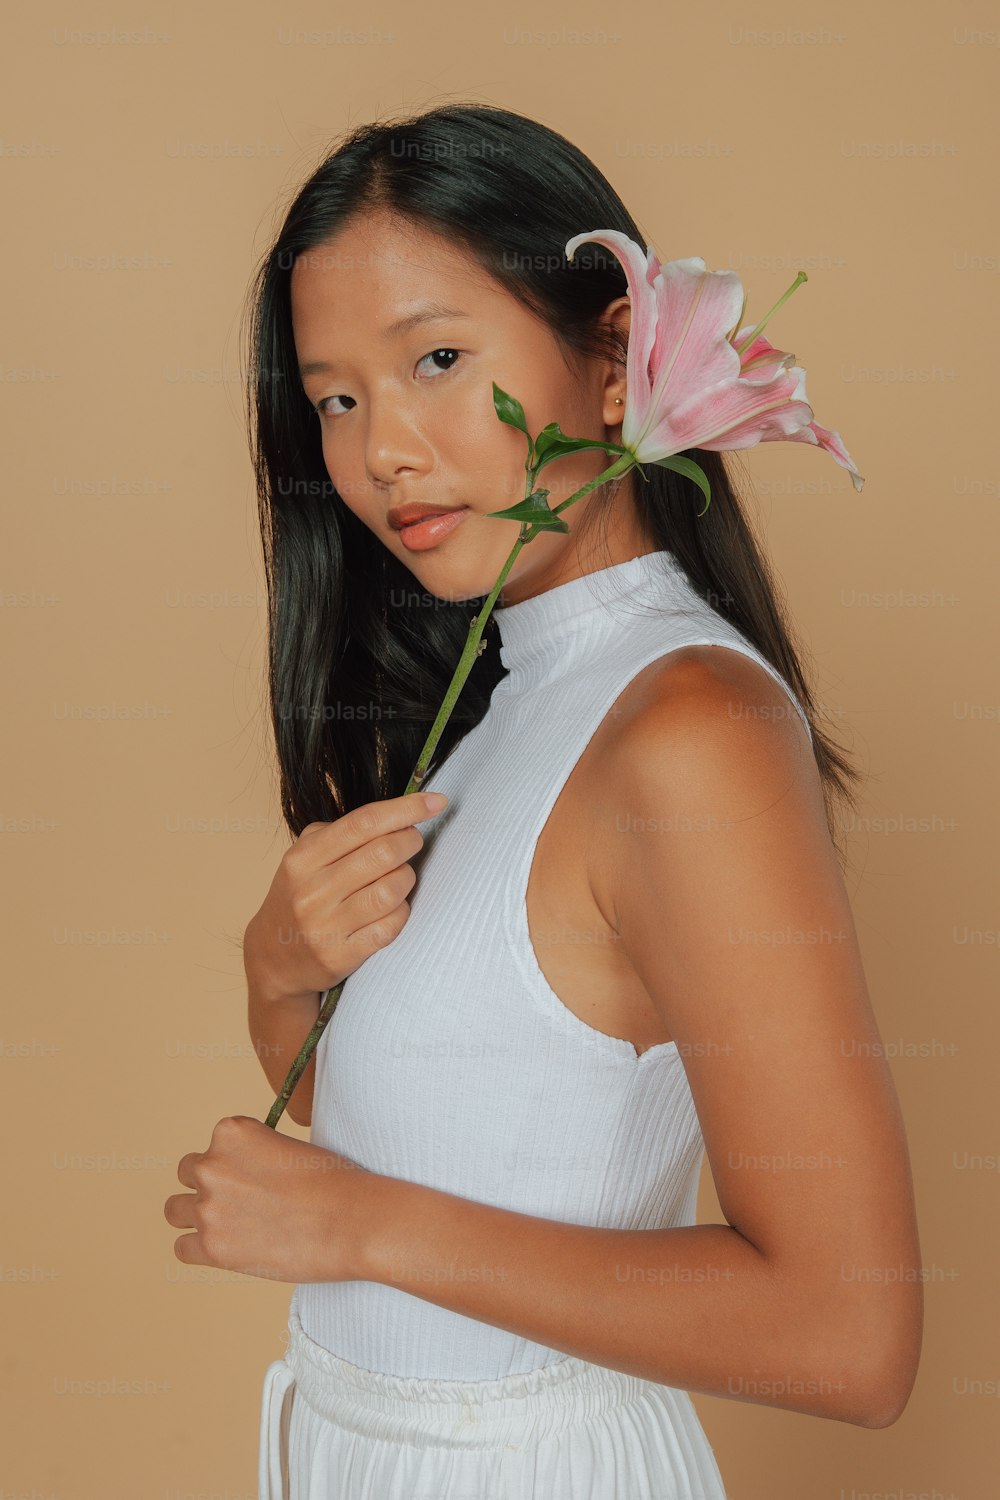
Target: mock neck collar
{"points": [[571, 620]]}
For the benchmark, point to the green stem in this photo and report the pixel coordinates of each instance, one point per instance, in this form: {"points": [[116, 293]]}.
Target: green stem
{"points": [[622, 464]]}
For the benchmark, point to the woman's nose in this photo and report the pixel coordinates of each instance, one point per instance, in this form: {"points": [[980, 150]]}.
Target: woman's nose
{"points": [[392, 444]]}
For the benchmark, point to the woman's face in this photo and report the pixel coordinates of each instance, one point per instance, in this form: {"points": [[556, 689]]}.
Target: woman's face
{"points": [[407, 415]]}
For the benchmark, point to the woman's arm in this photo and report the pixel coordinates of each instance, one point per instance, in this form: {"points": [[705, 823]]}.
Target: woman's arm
{"points": [[810, 1296]]}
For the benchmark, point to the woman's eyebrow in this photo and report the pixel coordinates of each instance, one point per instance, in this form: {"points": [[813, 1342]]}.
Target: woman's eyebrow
{"points": [[428, 312]]}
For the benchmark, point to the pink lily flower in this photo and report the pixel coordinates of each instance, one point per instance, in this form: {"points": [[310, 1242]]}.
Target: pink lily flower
{"points": [[697, 376]]}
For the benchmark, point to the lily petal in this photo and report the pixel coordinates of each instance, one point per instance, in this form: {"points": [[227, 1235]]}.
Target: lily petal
{"points": [[832, 443], [640, 274]]}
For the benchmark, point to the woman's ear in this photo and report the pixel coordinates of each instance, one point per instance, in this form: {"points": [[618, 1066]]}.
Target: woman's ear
{"points": [[617, 316]]}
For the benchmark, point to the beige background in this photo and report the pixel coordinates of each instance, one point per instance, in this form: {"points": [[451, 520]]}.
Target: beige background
{"points": [[139, 816]]}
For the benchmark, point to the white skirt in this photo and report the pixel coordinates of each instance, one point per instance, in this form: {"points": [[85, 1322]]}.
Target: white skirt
{"points": [[565, 1431]]}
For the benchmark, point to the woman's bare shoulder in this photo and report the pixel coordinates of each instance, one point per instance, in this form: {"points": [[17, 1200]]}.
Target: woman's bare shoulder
{"points": [[696, 702]]}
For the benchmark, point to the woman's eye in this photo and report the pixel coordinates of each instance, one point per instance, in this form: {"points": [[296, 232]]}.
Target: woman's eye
{"points": [[435, 352], [323, 406]]}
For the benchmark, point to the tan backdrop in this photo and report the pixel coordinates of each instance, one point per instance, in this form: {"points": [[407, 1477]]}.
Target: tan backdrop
{"points": [[146, 154]]}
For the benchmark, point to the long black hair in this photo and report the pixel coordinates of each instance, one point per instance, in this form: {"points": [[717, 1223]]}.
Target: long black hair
{"points": [[359, 658]]}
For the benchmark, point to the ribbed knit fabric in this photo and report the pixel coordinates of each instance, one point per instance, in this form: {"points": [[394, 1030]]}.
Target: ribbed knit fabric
{"points": [[450, 1060]]}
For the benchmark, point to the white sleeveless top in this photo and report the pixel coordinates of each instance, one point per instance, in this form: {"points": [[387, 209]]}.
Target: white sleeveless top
{"points": [[450, 1060]]}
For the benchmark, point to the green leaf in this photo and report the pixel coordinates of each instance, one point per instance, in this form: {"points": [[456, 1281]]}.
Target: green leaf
{"points": [[552, 443], [535, 511], [560, 446], [545, 437], [510, 410], [690, 470]]}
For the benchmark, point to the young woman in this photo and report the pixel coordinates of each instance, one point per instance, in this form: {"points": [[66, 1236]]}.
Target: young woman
{"points": [[625, 941]]}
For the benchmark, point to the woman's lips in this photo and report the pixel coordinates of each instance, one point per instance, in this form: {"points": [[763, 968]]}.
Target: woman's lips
{"points": [[427, 533]]}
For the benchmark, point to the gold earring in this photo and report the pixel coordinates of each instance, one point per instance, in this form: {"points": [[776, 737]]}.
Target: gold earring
{"points": [[618, 401]]}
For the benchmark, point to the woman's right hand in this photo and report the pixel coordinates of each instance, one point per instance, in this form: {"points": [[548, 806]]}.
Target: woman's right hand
{"points": [[338, 895]]}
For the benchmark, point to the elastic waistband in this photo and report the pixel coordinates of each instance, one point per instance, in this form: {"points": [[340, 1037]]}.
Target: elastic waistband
{"points": [[455, 1413]]}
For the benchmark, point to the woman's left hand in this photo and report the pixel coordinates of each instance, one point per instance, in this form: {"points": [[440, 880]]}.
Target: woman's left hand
{"points": [[269, 1205]]}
